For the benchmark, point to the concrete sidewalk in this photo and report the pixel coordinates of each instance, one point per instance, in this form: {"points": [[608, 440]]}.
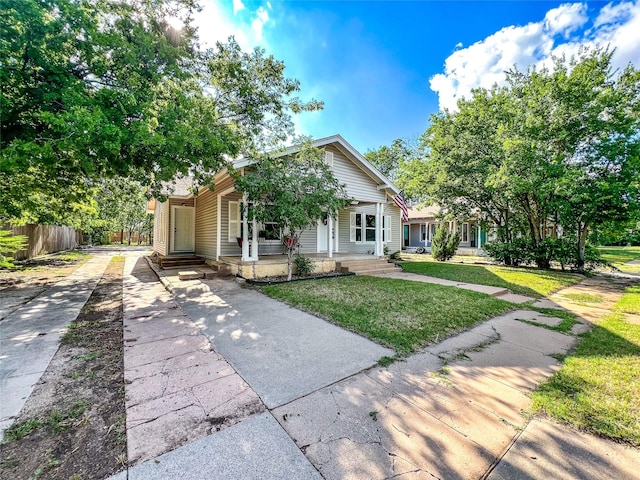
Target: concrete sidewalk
{"points": [[30, 335], [454, 410]]}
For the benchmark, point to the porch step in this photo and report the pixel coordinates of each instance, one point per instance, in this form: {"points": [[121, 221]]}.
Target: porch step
{"points": [[366, 267], [180, 261], [190, 275]]}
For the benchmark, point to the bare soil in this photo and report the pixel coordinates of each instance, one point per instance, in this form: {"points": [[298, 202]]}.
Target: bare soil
{"points": [[73, 424], [39, 271]]}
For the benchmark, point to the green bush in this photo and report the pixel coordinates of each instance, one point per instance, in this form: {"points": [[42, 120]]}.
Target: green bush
{"points": [[564, 251], [10, 244], [304, 265], [444, 244]]}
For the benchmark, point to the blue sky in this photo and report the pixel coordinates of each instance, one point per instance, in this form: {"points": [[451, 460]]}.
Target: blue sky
{"points": [[383, 67]]}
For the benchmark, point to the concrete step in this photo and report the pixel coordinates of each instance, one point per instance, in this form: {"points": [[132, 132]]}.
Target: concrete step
{"points": [[356, 263], [170, 262], [190, 275]]}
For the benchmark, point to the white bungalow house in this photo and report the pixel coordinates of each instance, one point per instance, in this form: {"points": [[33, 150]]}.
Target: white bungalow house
{"points": [[211, 224], [420, 228]]}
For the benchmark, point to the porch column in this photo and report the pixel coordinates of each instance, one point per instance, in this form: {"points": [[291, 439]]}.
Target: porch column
{"points": [[254, 239], [245, 230], [330, 234], [379, 251]]}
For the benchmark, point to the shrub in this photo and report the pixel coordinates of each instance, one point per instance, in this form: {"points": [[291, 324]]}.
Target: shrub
{"points": [[304, 265], [444, 244], [10, 244], [564, 251]]}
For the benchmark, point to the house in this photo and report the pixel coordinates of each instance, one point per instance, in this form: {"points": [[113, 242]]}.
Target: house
{"points": [[420, 228], [211, 224]]}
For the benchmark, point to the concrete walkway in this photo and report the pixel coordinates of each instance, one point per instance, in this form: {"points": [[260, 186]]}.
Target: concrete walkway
{"points": [[29, 335], [453, 411], [282, 352]]}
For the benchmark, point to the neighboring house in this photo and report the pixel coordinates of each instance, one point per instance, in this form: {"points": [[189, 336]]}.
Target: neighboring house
{"points": [[420, 228], [211, 224]]}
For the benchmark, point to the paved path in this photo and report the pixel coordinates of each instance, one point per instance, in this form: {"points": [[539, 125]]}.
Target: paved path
{"points": [[282, 352], [29, 335], [178, 389]]}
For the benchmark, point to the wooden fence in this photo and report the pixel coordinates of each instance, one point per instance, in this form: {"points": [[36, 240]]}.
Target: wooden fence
{"points": [[45, 239]]}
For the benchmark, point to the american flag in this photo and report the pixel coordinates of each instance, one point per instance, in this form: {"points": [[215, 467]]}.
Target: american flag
{"points": [[399, 201]]}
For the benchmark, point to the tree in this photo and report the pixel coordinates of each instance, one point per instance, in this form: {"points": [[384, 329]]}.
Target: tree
{"points": [[95, 90], [445, 243], [293, 191], [390, 159], [552, 147]]}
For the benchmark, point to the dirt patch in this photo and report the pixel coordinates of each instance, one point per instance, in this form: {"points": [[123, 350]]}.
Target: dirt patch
{"points": [[41, 271], [73, 424]]}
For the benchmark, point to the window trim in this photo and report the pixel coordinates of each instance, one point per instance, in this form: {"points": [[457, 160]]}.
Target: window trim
{"points": [[234, 205]]}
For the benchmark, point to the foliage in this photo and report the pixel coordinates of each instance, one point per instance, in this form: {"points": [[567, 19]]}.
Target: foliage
{"points": [[95, 89], [556, 146], [524, 281], [445, 243], [389, 160], [403, 315], [293, 191], [522, 251], [304, 265], [598, 387], [10, 244]]}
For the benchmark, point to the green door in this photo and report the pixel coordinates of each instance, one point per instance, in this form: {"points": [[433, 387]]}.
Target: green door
{"points": [[406, 235]]}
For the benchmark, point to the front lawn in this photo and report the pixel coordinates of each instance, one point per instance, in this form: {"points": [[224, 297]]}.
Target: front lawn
{"points": [[630, 301], [524, 281], [400, 314], [619, 256], [598, 388]]}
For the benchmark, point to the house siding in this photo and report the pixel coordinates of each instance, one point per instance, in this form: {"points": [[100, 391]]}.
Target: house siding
{"points": [[206, 224], [228, 248], [161, 233], [359, 185]]}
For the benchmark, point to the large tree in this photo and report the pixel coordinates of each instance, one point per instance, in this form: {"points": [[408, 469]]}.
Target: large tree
{"points": [[292, 191], [558, 145], [95, 89]]}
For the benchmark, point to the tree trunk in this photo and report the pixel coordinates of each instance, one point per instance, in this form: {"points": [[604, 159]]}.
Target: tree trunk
{"points": [[583, 232], [122, 237]]}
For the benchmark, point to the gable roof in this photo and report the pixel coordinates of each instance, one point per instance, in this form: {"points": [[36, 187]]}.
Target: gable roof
{"points": [[348, 150]]}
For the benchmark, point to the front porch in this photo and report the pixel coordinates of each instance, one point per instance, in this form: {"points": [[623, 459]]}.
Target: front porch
{"points": [[276, 265]]}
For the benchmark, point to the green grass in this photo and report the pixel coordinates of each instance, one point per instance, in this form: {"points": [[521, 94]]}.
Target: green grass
{"points": [[524, 281], [618, 256], [400, 314], [630, 301], [583, 297], [598, 388]]}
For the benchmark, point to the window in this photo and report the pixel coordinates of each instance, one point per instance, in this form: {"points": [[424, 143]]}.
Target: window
{"points": [[328, 158], [434, 227], [363, 228], [423, 232], [465, 233], [370, 230], [234, 221]]}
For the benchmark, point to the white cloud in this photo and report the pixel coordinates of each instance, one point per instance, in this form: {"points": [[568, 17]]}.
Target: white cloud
{"points": [[483, 64], [566, 18], [217, 24], [237, 6]]}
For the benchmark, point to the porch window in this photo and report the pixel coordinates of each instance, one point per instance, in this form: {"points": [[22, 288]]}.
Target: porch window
{"points": [[465, 233], [234, 221], [370, 230], [363, 228], [434, 227], [423, 232]]}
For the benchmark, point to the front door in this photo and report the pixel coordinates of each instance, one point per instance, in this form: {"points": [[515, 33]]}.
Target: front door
{"points": [[183, 239], [405, 235], [323, 234]]}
